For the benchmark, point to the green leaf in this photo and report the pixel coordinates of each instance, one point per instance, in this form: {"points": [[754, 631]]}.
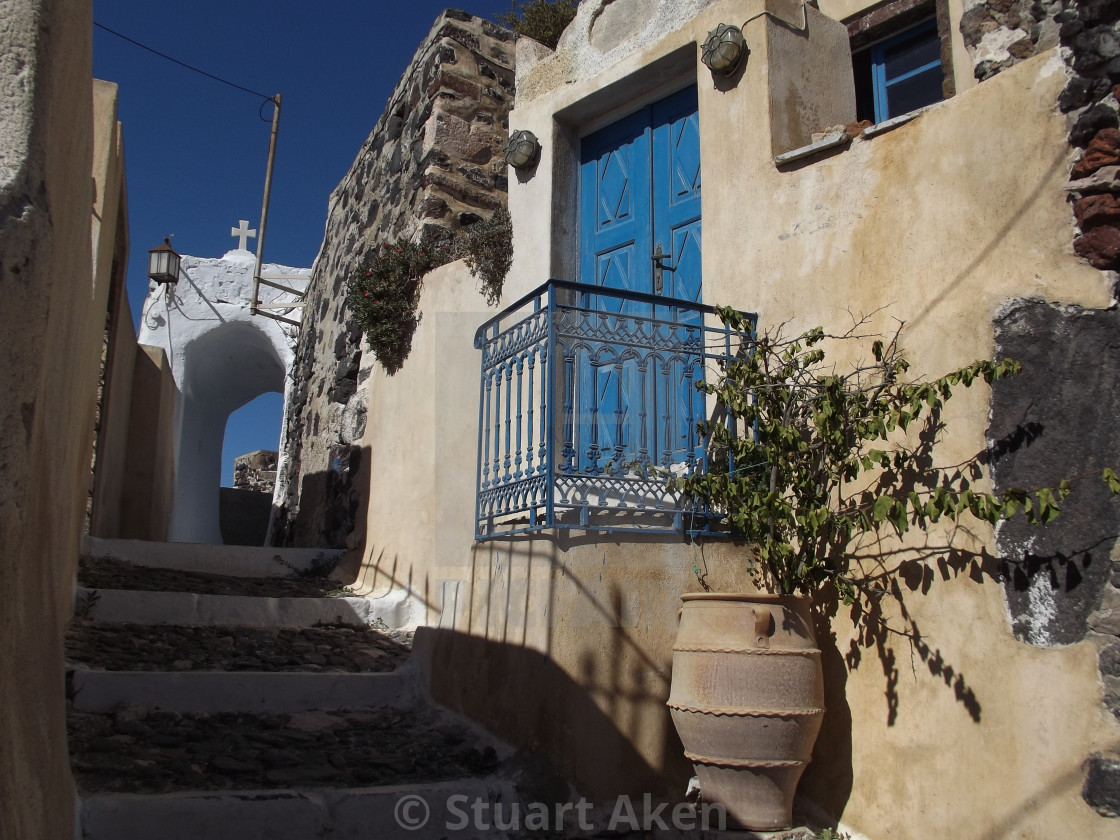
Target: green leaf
{"points": [[882, 508], [899, 519], [1112, 481]]}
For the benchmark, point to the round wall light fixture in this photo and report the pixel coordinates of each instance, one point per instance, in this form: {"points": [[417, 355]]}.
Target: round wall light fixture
{"points": [[724, 49], [522, 150]]}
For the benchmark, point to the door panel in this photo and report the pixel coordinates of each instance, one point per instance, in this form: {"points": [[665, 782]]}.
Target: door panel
{"points": [[640, 182], [614, 204]]}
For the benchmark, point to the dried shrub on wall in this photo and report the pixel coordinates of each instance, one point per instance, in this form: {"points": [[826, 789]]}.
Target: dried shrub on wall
{"points": [[541, 20], [383, 292], [488, 249]]}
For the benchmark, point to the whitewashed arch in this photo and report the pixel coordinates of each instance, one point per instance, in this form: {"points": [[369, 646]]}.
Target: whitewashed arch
{"points": [[222, 357]]}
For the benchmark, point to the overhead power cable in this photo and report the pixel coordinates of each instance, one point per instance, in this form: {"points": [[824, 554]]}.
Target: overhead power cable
{"points": [[184, 64]]}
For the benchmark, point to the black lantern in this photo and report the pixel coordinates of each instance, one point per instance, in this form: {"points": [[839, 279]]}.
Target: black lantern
{"points": [[724, 49], [522, 150], [163, 263]]}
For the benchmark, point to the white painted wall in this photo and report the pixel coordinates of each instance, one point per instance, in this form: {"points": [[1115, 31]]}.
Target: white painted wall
{"points": [[222, 357]]}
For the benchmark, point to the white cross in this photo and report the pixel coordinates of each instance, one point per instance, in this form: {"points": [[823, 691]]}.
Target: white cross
{"points": [[242, 233]]}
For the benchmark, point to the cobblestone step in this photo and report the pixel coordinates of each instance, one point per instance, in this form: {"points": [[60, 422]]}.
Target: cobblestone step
{"points": [[209, 692], [188, 608], [233, 560], [218, 692], [167, 647], [137, 749], [346, 814], [111, 573]]}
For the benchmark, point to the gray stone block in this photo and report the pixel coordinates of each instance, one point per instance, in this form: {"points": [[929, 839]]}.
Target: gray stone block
{"points": [[1102, 786]]}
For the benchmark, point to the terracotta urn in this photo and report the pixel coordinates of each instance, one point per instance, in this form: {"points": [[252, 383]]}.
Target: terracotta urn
{"points": [[747, 699]]}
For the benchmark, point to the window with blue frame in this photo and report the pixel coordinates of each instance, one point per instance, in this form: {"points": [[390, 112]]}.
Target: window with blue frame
{"points": [[899, 74]]}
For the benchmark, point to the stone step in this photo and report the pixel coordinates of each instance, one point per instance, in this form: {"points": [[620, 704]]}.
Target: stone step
{"points": [[137, 749], [107, 646], [340, 814], [210, 692], [110, 573], [140, 607], [233, 560]]}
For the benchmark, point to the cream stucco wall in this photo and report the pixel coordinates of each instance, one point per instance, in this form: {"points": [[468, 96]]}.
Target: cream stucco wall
{"points": [[563, 642], [53, 315]]}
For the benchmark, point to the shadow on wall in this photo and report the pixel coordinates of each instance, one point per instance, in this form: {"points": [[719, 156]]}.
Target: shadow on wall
{"points": [[331, 505], [527, 699], [243, 515], [376, 578], [567, 654]]}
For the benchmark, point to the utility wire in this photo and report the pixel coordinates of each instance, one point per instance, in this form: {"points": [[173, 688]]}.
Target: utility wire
{"points": [[184, 64]]}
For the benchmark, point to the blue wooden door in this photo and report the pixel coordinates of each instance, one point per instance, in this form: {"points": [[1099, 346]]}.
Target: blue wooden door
{"points": [[640, 195]]}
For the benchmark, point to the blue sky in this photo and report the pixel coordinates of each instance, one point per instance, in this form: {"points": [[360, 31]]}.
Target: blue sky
{"points": [[195, 149]]}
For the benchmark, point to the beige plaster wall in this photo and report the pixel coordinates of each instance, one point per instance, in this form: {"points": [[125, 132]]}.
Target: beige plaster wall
{"points": [[53, 317], [561, 645], [148, 467], [111, 259], [112, 435], [563, 642]]}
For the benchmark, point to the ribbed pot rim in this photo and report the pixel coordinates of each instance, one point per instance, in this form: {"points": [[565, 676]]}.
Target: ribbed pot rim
{"points": [[763, 597]]}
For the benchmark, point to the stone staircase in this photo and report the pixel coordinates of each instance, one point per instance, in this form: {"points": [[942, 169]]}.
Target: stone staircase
{"points": [[221, 691], [235, 693]]}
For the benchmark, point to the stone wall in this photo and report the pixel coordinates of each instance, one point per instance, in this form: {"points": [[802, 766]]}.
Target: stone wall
{"points": [[1001, 33], [255, 471], [1056, 419], [431, 164]]}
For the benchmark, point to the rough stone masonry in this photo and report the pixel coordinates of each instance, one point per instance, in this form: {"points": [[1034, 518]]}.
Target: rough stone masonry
{"points": [[431, 164]]}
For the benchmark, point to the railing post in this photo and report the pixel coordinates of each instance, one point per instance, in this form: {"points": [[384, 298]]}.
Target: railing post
{"points": [[549, 412]]}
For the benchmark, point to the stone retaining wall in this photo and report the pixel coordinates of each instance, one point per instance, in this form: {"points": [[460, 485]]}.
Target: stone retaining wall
{"points": [[431, 164], [255, 471]]}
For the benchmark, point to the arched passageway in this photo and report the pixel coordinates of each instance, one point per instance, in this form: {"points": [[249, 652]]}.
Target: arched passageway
{"points": [[224, 369], [222, 357]]}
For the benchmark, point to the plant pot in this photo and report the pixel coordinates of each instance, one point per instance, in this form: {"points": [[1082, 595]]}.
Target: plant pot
{"points": [[747, 699]]}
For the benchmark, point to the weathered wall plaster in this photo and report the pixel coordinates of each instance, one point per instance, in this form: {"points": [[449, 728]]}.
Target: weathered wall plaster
{"points": [[111, 439], [937, 224], [222, 356], [1055, 420]]}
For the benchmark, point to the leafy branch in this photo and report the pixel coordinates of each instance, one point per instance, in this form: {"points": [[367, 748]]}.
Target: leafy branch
{"points": [[786, 464]]}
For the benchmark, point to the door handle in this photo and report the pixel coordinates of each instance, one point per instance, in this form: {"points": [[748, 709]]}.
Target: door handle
{"points": [[659, 257]]}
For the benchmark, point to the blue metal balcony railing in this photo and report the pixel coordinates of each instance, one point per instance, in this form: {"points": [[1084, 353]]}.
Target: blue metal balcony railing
{"points": [[587, 398]]}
